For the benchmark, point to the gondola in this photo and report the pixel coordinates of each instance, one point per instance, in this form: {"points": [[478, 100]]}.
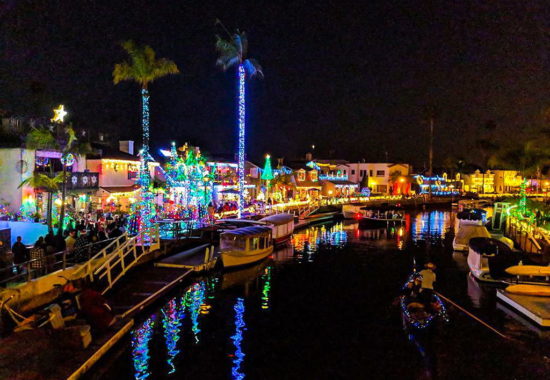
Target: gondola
{"points": [[416, 315]]}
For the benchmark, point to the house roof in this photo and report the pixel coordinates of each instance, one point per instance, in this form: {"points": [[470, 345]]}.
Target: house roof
{"points": [[119, 189], [340, 182], [112, 154]]}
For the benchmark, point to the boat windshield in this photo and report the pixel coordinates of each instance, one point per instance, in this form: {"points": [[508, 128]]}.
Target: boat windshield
{"points": [[233, 242]]}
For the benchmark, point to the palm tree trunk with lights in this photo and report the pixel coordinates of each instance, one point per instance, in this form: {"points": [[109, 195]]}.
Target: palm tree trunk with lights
{"points": [[242, 127]]}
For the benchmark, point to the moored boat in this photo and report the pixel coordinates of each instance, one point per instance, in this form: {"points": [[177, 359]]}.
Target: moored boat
{"points": [[465, 233], [246, 245], [489, 258], [282, 227]]}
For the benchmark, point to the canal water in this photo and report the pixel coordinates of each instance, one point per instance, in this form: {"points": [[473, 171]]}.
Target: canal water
{"points": [[324, 308]]}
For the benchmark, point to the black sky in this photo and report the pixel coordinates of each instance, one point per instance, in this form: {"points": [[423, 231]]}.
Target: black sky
{"points": [[349, 77]]}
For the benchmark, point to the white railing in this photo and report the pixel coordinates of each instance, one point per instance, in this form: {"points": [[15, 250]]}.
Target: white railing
{"points": [[87, 269], [127, 256]]}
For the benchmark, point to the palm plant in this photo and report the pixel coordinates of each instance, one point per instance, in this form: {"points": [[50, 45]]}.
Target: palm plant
{"points": [[529, 158], [66, 143], [143, 68], [40, 181], [232, 52]]}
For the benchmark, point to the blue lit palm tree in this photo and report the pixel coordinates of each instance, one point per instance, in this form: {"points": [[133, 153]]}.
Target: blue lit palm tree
{"points": [[233, 53]]}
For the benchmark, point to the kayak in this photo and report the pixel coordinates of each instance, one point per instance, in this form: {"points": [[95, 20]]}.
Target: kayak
{"points": [[529, 290], [528, 270]]}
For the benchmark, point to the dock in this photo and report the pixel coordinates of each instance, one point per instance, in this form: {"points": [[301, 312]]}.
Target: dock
{"points": [[535, 308], [199, 259]]}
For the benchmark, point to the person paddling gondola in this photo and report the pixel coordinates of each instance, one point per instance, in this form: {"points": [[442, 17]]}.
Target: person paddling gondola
{"points": [[427, 285]]}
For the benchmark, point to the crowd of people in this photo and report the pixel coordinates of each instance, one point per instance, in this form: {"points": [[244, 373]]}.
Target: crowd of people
{"points": [[80, 241]]}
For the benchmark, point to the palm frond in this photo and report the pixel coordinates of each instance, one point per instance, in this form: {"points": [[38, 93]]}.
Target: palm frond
{"points": [[143, 67], [42, 181], [253, 68], [41, 138]]}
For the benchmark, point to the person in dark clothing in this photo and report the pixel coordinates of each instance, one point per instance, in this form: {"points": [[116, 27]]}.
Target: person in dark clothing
{"points": [[20, 253], [95, 309]]}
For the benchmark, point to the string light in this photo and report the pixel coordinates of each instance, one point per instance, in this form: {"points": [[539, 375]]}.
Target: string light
{"points": [[242, 126]]}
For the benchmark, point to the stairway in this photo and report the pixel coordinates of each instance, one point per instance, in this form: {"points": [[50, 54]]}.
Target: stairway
{"points": [[115, 260]]}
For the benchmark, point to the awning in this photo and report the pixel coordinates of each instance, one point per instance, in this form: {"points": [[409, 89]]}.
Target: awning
{"points": [[120, 189]]}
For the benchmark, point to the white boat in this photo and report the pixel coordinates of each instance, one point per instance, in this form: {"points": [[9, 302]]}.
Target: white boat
{"points": [[489, 258], [476, 217], [467, 232], [245, 245], [282, 227]]}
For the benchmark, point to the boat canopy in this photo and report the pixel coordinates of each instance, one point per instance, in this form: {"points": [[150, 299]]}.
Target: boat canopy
{"points": [[489, 246], [278, 219], [247, 231], [472, 214]]}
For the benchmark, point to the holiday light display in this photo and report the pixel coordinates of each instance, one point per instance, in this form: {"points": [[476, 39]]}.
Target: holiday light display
{"points": [[242, 127], [140, 349], [522, 207], [189, 181], [172, 320], [59, 114]]}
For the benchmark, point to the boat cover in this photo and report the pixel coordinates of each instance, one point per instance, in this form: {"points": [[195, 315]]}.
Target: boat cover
{"points": [[252, 230], [278, 219]]}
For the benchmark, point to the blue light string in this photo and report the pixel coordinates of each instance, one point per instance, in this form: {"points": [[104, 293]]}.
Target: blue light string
{"points": [[242, 126], [237, 339]]}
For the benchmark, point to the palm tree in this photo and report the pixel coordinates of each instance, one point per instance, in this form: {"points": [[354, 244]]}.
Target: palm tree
{"points": [[40, 181], [143, 68], [64, 142], [232, 52], [529, 158]]}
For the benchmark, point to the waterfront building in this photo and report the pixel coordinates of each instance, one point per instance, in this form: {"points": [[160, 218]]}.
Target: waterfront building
{"points": [[479, 182], [381, 176], [18, 164]]}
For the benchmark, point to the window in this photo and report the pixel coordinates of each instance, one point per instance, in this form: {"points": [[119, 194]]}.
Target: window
{"points": [[370, 175], [301, 175], [352, 172], [345, 172], [380, 173], [313, 175]]}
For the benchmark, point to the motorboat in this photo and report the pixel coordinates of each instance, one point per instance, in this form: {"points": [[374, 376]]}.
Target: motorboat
{"points": [[465, 233], [381, 218], [417, 315], [282, 227], [476, 216], [245, 245], [489, 258]]}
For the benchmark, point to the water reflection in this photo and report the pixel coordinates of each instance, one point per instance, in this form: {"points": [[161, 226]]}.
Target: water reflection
{"points": [[140, 348], [172, 320], [307, 242], [430, 226], [237, 339], [194, 302], [266, 290]]}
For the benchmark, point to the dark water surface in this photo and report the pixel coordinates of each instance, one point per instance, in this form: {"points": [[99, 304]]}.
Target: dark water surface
{"points": [[323, 308]]}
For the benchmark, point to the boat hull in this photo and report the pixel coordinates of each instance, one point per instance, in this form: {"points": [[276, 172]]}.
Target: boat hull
{"points": [[231, 259]]}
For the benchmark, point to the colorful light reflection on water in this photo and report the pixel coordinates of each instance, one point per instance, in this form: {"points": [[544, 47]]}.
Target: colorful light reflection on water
{"points": [[308, 241], [431, 226], [172, 319], [140, 348], [237, 339]]}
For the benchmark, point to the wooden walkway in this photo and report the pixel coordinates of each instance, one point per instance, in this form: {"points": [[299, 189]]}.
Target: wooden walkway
{"points": [[201, 258], [535, 308]]}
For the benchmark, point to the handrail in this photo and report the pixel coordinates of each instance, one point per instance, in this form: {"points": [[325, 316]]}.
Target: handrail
{"points": [[45, 265], [129, 247], [104, 252]]}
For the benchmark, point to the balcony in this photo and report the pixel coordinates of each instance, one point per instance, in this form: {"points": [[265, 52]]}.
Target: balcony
{"points": [[82, 180]]}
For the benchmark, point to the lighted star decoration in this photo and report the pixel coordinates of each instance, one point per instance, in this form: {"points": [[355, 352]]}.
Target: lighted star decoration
{"points": [[59, 114]]}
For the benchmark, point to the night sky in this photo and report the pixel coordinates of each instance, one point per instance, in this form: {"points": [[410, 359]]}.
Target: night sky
{"points": [[351, 79]]}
